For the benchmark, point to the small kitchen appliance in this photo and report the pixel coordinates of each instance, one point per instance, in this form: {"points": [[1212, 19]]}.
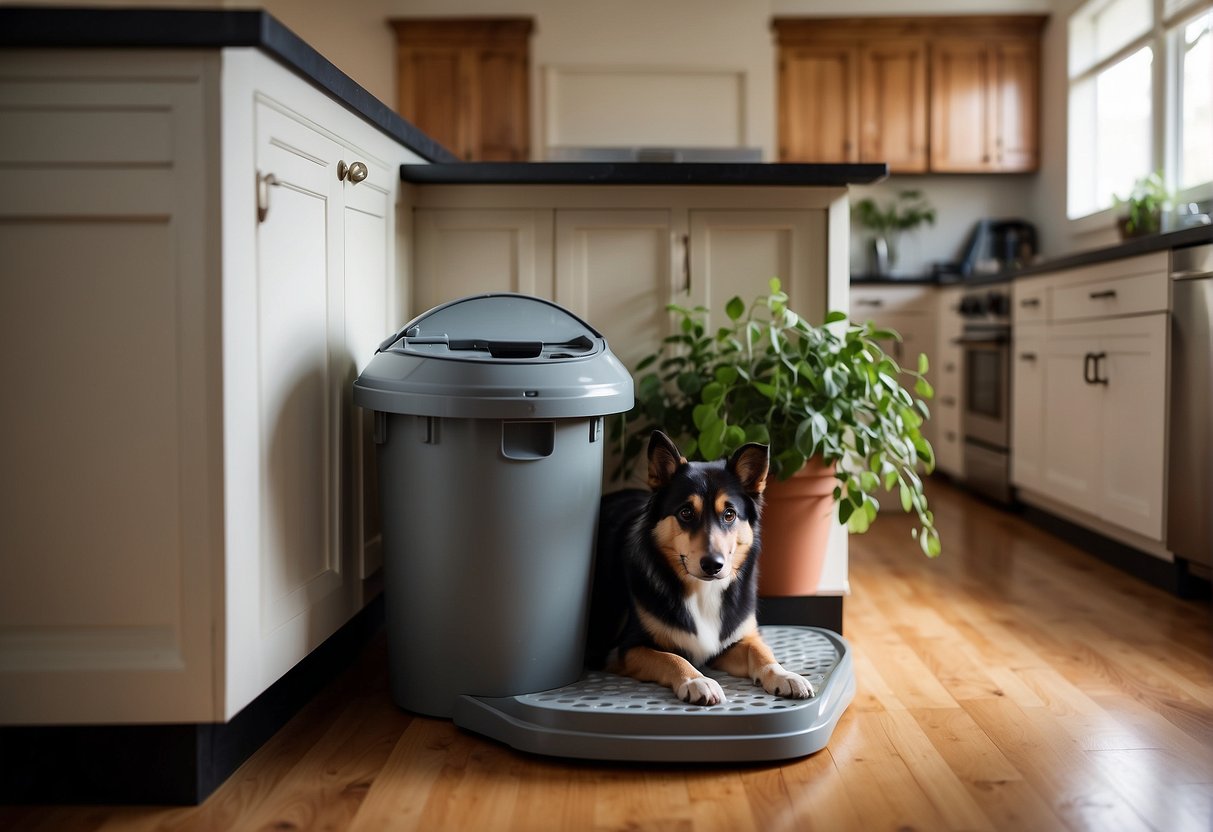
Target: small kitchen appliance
{"points": [[488, 423], [996, 246]]}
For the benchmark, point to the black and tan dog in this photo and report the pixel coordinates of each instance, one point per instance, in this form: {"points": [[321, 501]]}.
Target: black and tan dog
{"points": [[676, 577]]}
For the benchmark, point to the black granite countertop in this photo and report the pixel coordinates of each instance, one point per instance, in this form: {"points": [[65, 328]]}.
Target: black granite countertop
{"points": [[62, 27], [643, 173], [1129, 248]]}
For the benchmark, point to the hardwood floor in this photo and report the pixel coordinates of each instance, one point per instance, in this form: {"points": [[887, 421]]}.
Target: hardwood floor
{"points": [[1014, 683]]}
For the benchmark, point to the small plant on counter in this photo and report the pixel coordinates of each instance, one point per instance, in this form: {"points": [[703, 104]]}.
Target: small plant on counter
{"points": [[828, 392], [907, 211], [1141, 211]]}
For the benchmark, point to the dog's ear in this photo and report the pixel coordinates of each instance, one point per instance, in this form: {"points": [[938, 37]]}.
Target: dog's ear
{"points": [[749, 464], [664, 460]]}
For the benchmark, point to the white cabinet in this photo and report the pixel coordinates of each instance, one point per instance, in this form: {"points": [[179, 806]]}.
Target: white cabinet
{"points": [[1090, 395], [911, 312], [947, 376], [1027, 405], [213, 495], [618, 255], [1105, 418]]}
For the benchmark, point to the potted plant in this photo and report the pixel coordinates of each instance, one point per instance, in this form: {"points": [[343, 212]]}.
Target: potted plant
{"points": [[828, 401], [908, 210], [1141, 211]]}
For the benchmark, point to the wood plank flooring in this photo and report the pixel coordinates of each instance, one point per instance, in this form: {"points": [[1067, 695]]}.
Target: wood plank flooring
{"points": [[1013, 684]]}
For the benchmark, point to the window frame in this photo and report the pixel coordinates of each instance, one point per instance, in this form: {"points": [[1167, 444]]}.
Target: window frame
{"points": [[1166, 69]]}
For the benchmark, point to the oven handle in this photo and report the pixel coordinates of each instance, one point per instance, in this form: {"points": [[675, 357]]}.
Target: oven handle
{"points": [[977, 340]]}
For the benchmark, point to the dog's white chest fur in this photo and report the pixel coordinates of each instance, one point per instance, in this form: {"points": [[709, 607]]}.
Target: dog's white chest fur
{"points": [[703, 607]]}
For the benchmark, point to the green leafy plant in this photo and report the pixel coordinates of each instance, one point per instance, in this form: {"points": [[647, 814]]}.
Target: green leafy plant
{"points": [[808, 391], [1143, 207], [908, 210]]}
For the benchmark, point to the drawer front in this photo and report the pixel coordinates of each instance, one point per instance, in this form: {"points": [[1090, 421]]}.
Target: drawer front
{"points": [[1029, 301], [872, 302], [1105, 298]]}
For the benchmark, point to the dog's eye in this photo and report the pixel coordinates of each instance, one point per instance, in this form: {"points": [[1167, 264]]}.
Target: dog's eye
{"points": [[729, 515], [686, 514]]}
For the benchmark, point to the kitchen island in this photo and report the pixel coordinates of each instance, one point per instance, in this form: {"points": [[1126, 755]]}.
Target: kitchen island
{"points": [[206, 235]]}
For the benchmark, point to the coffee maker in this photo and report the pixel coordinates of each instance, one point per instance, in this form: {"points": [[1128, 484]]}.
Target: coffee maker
{"points": [[998, 245]]}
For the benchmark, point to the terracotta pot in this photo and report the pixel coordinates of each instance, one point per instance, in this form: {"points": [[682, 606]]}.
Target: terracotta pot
{"points": [[796, 523]]}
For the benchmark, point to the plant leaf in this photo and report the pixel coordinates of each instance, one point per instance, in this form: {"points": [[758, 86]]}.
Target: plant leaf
{"points": [[735, 308]]}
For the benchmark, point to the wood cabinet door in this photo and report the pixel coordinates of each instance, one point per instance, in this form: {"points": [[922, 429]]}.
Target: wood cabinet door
{"points": [[1133, 360], [498, 104], [818, 104], [430, 80], [893, 104], [961, 118], [466, 82], [1015, 68]]}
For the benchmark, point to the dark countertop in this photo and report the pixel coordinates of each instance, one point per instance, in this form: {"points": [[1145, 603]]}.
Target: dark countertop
{"points": [[1129, 248], [642, 173], [61, 27]]}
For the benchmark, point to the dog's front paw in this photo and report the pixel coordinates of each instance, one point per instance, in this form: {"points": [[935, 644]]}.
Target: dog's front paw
{"points": [[700, 690], [775, 680]]}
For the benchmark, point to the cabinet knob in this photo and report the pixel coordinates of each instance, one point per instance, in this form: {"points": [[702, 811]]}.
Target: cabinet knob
{"points": [[354, 173], [264, 183]]}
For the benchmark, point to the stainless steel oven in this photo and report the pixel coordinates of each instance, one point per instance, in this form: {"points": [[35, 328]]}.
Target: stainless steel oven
{"points": [[986, 405]]}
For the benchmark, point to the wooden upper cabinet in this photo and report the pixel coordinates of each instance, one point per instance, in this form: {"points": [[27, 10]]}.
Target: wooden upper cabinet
{"points": [[466, 82], [893, 103], [818, 104], [939, 94], [984, 105]]}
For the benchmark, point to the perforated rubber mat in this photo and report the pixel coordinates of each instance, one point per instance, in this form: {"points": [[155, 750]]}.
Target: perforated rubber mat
{"points": [[609, 717]]}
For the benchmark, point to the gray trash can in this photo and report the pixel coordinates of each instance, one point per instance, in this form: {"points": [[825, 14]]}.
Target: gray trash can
{"points": [[489, 423]]}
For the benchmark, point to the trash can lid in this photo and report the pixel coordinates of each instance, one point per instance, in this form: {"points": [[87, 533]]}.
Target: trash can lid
{"points": [[496, 356]]}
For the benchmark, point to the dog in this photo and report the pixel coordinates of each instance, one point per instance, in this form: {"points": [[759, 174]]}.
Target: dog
{"points": [[676, 577]]}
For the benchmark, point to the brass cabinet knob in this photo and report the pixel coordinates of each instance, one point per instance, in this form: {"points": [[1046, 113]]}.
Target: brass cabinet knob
{"points": [[354, 173]]}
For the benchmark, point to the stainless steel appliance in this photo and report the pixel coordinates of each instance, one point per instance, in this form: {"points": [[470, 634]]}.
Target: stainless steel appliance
{"points": [[997, 245], [1190, 468], [986, 406]]}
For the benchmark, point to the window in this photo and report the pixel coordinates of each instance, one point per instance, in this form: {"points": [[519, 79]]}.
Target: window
{"points": [[1141, 99]]}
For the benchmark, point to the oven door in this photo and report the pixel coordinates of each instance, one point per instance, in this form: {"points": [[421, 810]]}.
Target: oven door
{"points": [[986, 417]]}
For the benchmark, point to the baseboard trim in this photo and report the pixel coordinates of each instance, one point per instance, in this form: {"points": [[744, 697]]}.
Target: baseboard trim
{"points": [[167, 764], [803, 611], [1174, 577]]}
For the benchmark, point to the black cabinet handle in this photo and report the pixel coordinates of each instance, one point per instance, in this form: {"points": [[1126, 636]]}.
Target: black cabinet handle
{"points": [[1027, 356], [1090, 368], [948, 401], [1030, 302], [1096, 377], [1104, 295], [868, 302]]}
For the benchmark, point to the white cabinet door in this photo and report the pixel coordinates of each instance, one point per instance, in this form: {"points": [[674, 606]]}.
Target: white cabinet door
{"points": [[110, 429], [947, 376], [300, 324], [464, 252], [736, 253], [368, 224], [613, 268], [1133, 360], [1070, 469], [1028, 406]]}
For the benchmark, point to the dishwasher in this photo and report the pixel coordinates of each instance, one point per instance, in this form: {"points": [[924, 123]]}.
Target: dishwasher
{"points": [[1190, 472]]}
